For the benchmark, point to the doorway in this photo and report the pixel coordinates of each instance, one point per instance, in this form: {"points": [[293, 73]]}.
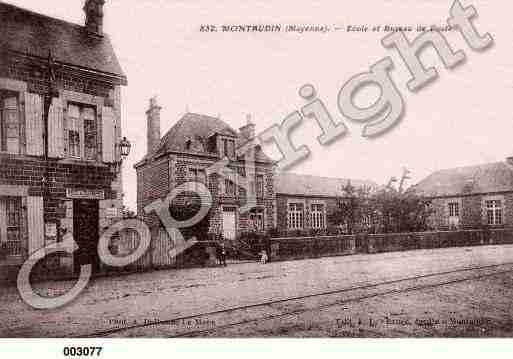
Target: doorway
{"points": [[229, 223], [86, 234]]}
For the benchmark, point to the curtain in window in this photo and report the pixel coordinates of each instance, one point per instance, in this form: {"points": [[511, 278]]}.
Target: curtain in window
{"points": [[73, 127], [10, 129], [89, 118]]}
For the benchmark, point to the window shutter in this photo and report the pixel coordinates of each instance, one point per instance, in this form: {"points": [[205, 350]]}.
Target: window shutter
{"points": [[35, 223], [108, 134], [56, 129], [3, 221], [34, 124]]}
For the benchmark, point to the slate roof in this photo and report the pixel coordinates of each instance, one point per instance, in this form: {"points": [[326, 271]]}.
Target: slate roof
{"points": [[480, 179], [34, 34], [304, 185], [196, 127]]}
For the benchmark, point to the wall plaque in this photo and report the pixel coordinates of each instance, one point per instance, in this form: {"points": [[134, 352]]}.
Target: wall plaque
{"points": [[85, 193]]}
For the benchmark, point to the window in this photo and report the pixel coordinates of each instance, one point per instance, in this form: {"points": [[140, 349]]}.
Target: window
{"points": [[493, 212], [317, 216], [295, 215], [10, 126], [11, 223], [228, 148], [198, 175], [82, 134], [229, 187], [260, 186], [454, 209], [90, 144], [256, 219]]}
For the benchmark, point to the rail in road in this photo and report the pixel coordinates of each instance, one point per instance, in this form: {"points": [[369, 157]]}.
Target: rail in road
{"points": [[283, 307]]}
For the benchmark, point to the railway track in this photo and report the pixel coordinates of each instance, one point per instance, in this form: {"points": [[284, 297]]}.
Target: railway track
{"points": [[368, 291]]}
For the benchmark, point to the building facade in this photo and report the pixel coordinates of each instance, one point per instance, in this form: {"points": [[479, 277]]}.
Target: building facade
{"points": [[304, 203], [470, 197], [194, 144], [60, 125]]}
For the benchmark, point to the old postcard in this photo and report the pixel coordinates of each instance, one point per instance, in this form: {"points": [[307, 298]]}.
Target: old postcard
{"points": [[265, 169]]}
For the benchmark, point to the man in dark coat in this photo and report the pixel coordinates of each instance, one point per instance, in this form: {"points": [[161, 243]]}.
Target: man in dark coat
{"points": [[221, 254]]}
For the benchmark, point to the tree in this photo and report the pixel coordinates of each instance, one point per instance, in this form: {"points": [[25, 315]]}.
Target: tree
{"points": [[186, 211], [401, 210], [352, 208], [383, 211]]}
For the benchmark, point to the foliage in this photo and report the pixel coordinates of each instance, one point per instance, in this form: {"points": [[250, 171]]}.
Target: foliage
{"points": [[183, 212], [3, 250], [361, 210], [401, 212], [354, 207], [248, 245]]}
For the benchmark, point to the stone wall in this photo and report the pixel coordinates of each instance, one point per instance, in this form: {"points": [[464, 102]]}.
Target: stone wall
{"points": [[282, 209], [51, 178], [156, 178], [472, 211], [152, 184], [314, 247]]}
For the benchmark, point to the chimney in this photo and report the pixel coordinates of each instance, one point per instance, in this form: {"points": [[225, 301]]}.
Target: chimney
{"points": [[94, 16], [509, 161], [153, 124], [248, 131]]}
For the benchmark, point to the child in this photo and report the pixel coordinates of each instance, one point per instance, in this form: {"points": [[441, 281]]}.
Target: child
{"points": [[263, 257]]}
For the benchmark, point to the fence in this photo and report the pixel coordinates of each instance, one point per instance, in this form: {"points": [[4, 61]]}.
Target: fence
{"points": [[158, 255]]}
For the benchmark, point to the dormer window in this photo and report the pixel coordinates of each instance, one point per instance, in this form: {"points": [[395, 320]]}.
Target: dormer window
{"points": [[188, 145], [228, 148]]}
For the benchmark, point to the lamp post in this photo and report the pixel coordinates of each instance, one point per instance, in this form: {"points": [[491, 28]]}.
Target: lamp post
{"points": [[51, 93]]}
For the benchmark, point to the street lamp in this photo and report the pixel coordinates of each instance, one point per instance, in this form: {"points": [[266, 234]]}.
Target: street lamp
{"points": [[124, 148]]}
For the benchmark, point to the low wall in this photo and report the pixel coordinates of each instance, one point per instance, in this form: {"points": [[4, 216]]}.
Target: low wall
{"points": [[159, 254], [314, 247]]}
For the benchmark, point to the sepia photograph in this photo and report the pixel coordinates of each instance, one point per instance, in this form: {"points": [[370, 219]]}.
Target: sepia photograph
{"points": [[264, 169]]}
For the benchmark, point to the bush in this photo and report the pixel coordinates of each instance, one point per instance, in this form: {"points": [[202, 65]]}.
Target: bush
{"points": [[3, 250], [248, 245], [273, 233], [184, 212]]}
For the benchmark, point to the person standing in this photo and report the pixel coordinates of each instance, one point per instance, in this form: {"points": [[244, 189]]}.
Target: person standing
{"points": [[264, 258], [222, 255]]}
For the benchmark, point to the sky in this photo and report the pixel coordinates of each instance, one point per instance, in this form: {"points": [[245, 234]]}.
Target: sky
{"points": [[463, 118]]}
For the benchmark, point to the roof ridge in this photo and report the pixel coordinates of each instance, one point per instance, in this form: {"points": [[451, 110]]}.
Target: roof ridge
{"points": [[470, 166], [325, 177], [42, 15]]}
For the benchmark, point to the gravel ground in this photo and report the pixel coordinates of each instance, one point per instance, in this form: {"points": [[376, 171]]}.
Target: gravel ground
{"points": [[476, 308], [108, 303]]}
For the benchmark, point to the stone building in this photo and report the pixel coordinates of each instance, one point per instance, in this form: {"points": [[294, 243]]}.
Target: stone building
{"points": [[470, 197], [304, 202], [60, 127], [185, 152]]}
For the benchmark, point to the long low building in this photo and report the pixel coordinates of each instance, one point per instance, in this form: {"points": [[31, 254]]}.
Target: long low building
{"points": [[470, 197], [305, 202]]}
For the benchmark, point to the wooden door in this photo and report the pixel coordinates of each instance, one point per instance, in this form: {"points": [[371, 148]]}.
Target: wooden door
{"points": [[229, 223], [86, 233]]}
